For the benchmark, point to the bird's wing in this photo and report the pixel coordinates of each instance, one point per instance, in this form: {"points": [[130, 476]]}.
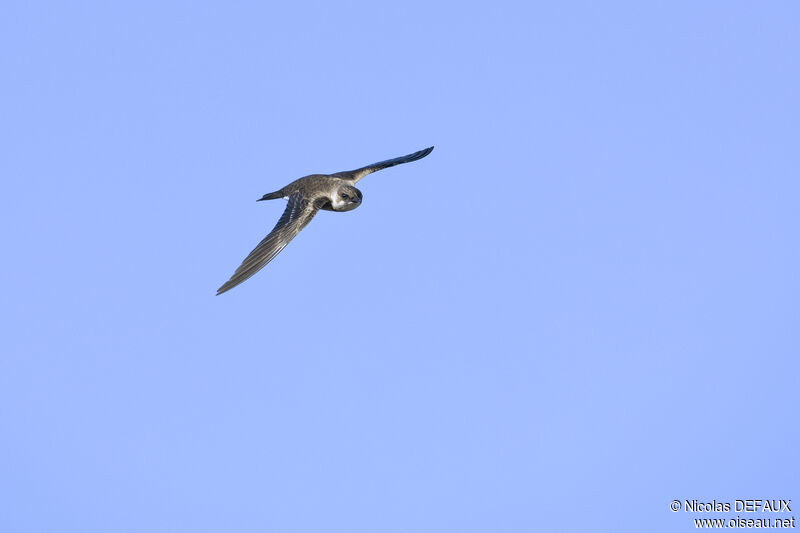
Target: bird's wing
{"points": [[355, 175], [298, 214]]}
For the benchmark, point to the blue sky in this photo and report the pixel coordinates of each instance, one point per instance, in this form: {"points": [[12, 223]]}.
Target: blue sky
{"points": [[580, 307]]}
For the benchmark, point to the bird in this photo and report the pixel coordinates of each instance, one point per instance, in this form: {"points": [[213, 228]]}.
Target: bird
{"points": [[306, 196]]}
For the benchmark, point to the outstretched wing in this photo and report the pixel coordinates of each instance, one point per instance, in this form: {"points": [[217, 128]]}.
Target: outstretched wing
{"points": [[355, 175], [298, 214]]}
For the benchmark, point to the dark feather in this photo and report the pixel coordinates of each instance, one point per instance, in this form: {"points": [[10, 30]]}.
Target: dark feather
{"points": [[355, 175], [299, 212]]}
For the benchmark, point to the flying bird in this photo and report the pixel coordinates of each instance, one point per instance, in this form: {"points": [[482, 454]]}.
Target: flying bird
{"points": [[331, 192]]}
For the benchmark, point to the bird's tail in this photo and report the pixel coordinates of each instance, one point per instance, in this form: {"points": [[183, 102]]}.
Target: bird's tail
{"points": [[271, 196]]}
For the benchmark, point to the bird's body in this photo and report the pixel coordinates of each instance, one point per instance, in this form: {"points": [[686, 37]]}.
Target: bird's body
{"points": [[306, 196], [322, 189]]}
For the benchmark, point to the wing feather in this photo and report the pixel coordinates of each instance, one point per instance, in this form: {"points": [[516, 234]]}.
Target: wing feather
{"points": [[358, 174], [299, 212]]}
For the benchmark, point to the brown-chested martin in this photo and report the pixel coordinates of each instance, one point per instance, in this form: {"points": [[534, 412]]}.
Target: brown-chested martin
{"points": [[332, 192]]}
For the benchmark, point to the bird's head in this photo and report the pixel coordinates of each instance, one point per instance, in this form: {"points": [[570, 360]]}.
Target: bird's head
{"points": [[345, 198]]}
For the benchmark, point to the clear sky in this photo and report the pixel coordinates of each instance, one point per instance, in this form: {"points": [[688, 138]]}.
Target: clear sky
{"points": [[581, 306]]}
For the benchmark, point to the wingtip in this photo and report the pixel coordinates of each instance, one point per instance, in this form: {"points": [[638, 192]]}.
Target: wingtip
{"points": [[423, 153]]}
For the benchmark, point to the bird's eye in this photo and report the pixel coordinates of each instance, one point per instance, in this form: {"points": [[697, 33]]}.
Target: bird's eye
{"points": [[345, 197]]}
